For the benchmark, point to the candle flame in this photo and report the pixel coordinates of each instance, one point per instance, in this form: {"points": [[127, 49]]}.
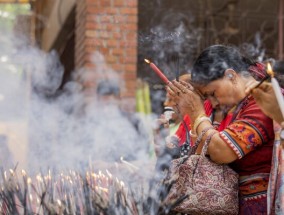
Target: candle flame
{"points": [[269, 70], [147, 61]]}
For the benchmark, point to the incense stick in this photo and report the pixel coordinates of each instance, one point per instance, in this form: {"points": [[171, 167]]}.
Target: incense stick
{"points": [[177, 69], [264, 79]]}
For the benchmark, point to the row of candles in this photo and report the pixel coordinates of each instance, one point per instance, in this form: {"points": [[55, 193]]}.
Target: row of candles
{"points": [[274, 82]]}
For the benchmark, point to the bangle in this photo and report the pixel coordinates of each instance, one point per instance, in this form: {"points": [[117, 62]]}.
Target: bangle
{"points": [[203, 132], [201, 115], [194, 135], [198, 121], [206, 143]]}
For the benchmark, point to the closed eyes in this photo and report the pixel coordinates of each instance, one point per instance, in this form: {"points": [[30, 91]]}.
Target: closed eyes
{"points": [[206, 95]]}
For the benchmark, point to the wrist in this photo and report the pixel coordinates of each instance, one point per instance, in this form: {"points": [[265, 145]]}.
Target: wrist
{"points": [[198, 121], [194, 117]]}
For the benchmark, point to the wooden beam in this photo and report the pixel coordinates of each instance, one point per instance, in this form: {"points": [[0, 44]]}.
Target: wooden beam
{"points": [[58, 16]]}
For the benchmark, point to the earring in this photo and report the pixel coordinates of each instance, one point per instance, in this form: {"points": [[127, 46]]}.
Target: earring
{"points": [[230, 76]]}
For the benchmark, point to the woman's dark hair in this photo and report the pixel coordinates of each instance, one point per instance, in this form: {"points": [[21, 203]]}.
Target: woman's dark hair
{"points": [[212, 63]]}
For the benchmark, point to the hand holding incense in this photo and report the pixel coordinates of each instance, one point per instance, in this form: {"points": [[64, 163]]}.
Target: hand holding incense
{"points": [[158, 71], [276, 88], [264, 79]]}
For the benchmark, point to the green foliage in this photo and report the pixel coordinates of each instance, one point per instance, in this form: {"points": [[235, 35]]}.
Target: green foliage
{"points": [[8, 12]]}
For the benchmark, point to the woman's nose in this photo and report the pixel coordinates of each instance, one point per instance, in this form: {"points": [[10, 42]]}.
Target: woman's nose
{"points": [[214, 102]]}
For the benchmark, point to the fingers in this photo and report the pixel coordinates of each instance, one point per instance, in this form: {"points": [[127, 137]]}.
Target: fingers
{"points": [[183, 86], [266, 87], [186, 85], [250, 86], [176, 88]]}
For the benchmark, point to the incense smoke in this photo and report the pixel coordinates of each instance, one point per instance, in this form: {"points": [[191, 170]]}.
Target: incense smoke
{"points": [[45, 127]]}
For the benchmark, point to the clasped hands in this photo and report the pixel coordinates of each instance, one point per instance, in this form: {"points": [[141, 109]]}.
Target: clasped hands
{"points": [[187, 99]]}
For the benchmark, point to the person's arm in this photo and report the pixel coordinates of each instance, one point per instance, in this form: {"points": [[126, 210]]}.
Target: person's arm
{"points": [[218, 149], [265, 97], [250, 129], [189, 102]]}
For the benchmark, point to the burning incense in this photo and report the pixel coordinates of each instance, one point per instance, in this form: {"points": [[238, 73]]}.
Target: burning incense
{"points": [[85, 193], [158, 71], [129, 164], [176, 63]]}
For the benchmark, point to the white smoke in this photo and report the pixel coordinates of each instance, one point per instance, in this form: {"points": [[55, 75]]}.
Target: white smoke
{"points": [[42, 127]]}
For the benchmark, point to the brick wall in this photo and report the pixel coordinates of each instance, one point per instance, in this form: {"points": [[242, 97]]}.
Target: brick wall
{"points": [[110, 27]]}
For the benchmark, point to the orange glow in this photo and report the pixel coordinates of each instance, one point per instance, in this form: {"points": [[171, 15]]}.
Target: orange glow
{"points": [[147, 61], [269, 70]]}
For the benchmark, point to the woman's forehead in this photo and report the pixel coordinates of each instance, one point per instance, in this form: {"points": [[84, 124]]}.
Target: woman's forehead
{"points": [[212, 86]]}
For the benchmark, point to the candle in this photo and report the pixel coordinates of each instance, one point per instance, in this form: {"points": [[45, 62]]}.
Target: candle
{"points": [[276, 88], [158, 71]]}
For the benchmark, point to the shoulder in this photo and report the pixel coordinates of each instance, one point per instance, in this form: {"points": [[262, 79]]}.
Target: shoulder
{"points": [[252, 115], [251, 110]]}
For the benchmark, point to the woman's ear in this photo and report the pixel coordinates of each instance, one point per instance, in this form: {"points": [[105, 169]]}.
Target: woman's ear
{"points": [[230, 74]]}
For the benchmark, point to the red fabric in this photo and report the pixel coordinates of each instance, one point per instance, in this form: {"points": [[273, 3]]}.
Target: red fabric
{"points": [[258, 71], [225, 122], [252, 207], [255, 161], [181, 132]]}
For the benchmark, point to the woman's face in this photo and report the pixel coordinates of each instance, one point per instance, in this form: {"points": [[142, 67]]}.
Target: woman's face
{"points": [[222, 93]]}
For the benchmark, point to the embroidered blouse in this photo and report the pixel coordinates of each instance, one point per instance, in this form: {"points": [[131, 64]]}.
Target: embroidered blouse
{"points": [[250, 134]]}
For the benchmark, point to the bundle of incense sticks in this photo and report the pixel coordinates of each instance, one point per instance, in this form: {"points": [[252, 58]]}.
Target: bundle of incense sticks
{"points": [[81, 193]]}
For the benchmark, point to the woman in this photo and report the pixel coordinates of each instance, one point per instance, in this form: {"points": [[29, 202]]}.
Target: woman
{"points": [[244, 138]]}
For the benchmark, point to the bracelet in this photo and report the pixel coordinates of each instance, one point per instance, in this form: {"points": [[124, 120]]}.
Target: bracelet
{"points": [[194, 135], [201, 115], [198, 121], [203, 132], [206, 143]]}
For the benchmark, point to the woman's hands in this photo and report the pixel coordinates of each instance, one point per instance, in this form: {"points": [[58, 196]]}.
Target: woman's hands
{"points": [[187, 100]]}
